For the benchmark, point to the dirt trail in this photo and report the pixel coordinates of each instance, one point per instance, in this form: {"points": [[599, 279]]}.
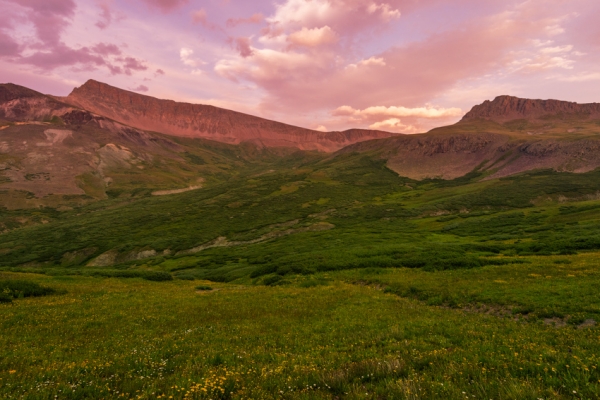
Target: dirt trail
{"points": [[175, 191]]}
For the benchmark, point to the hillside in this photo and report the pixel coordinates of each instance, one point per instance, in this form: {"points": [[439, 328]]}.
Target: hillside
{"points": [[500, 138], [203, 121], [55, 154]]}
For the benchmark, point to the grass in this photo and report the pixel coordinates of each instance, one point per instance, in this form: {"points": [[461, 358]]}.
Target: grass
{"points": [[292, 341]]}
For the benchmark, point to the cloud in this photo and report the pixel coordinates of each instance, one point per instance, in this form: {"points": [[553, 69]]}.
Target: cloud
{"points": [[186, 57], [159, 72], [373, 61], [105, 14], [46, 50], [346, 17], [377, 112], [199, 17], [8, 46], [385, 11], [305, 79], [140, 88], [254, 19], [130, 64], [313, 37], [369, 62], [242, 45], [105, 49], [165, 6], [321, 128], [545, 58], [49, 18], [394, 125], [583, 77]]}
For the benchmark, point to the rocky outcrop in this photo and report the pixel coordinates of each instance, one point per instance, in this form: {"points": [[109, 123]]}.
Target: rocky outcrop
{"points": [[203, 121], [18, 103], [507, 108]]}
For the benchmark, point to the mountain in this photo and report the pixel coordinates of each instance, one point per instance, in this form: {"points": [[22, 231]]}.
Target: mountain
{"points": [[507, 108], [203, 121], [101, 142], [503, 137], [56, 154]]}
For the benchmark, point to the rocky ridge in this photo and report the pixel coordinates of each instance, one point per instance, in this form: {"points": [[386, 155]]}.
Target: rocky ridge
{"points": [[204, 121], [507, 108]]}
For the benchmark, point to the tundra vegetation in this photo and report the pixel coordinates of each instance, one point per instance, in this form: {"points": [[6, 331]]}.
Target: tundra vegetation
{"points": [[310, 276]]}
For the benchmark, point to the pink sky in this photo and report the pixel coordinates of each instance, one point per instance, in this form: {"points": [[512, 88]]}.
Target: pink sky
{"points": [[396, 65]]}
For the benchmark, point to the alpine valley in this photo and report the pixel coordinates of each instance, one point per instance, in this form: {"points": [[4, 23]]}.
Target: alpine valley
{"points": [[156, 249]]}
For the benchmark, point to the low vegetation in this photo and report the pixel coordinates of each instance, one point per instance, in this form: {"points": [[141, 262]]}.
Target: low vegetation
{"points": [[18, 289], [315, 278]]}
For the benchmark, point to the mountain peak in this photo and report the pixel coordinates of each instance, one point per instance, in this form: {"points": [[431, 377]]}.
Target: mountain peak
{"points": [[205, 121], [507, 108]]}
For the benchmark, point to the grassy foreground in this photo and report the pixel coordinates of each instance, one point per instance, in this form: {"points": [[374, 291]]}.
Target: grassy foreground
{"points": [[328, 335]]}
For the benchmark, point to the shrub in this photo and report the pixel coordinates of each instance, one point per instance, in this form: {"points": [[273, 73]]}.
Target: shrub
{"points": [[16, 289], [186, 277], [158, 276], [272, 280], [204, 288]]}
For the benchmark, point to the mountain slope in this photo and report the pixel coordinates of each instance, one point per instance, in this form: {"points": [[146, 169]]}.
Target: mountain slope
{"points": [[501, 138], [196, 120], [55, 154]]}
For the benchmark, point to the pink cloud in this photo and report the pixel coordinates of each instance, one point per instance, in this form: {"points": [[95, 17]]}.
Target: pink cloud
{"points": [[313, 37], [348, 18], [166, 6], [378, 112], [54, 7], [105, 15], [140, 88], [159, 72], [49, 18], [254, 19], [105, 49], [408, 75], [130, 64], [46, 51], [8, 46], [61, 55], [242, 45], [201, 17], [394, 125]]}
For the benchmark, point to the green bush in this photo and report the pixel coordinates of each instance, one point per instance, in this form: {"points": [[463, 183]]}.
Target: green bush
{"points": [[16, 289], [186, 277], [157, 276], [204, 288], [272, 280]]}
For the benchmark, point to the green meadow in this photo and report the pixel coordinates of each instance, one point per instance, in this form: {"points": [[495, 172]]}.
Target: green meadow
{"points": [[308, 277]]}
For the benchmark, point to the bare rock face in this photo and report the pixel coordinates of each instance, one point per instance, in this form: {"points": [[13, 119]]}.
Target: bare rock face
{"points": [[507, 108], [18, 103], [203, 121]]}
